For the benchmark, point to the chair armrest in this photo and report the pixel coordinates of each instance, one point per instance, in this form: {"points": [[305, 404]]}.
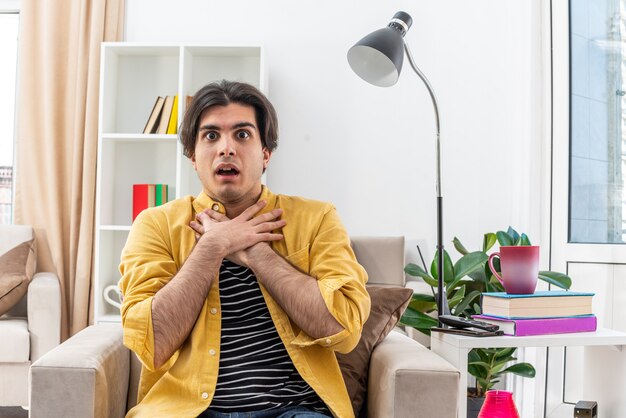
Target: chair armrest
{"points": [[44, 313], [408, 380], [86, 376]]}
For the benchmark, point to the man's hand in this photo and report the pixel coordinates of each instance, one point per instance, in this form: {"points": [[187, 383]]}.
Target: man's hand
{"points": [[297, 293], [234, 237]]}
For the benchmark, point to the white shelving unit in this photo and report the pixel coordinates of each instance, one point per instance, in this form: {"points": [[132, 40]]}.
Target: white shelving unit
{"points": [[132, 76]]}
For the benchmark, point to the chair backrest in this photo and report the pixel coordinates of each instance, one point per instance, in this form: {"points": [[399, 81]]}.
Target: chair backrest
{"points": [[10, 236], [382, 258]]}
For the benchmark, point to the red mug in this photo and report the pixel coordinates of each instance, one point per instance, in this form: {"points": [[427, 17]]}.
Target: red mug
{"points": [[520, 268]]}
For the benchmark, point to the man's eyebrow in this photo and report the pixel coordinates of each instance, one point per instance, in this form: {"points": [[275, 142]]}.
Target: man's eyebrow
{"points": [[245, 125], [238, 125], [209, 128]]}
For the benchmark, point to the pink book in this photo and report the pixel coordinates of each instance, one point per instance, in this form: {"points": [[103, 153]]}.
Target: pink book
{"points": [[542, 326]]}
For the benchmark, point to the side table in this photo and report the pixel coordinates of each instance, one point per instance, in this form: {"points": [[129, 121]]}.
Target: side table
{"points": [[455, 348]]}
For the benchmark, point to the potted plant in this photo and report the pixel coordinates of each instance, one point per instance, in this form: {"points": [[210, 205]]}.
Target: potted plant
{"points": [[465, 280]]}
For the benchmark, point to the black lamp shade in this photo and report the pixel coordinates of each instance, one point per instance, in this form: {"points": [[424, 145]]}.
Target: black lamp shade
{"points": [[378, 57]]}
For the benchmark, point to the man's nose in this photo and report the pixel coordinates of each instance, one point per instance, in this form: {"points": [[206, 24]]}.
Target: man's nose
{"points": [[227, 147]]}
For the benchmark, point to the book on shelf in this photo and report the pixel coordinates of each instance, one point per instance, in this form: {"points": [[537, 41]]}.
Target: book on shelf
{"points": [[172, 126], [542, 326], [160, 195], [165, 114], [154, 118], [539, 304], [147, 196]]}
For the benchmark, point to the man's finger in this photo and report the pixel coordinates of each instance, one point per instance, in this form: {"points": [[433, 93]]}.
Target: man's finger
{"points": [[270, 226], [220, 217], [249, 213], [203, 217], [197, 227], [271, 237], [269, 216]]}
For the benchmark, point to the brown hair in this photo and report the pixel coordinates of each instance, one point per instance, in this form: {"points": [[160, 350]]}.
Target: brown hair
{"points": [[222, 93]]}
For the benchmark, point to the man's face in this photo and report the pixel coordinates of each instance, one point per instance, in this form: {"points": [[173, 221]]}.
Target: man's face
{"points": [[229, 155]]}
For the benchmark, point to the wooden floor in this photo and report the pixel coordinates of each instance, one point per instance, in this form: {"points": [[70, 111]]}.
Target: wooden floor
{"points": [[6, 412]]}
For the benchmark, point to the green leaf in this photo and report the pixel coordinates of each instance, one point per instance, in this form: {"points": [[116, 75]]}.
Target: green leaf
{"points": [[423, 303], [459, 247], [513, 234], [480, 364], [525, 240], [448, 268], [505, 352], [462, 306], [469, 263], [521, 369], [418, 320], [477, 371], [477, 309], [486, 385], [504, 238], [415, 271], [496, 265], [478, 276], [498, 365], [473, 355], [431, 282], [557, 279], [458, 297], [473, 285], [488, 241], [422, 297]]}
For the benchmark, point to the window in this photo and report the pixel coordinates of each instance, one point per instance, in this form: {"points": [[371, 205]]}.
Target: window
{"points": [[8, 53]]}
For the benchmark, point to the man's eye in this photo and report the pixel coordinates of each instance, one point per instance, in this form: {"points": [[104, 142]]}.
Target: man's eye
{"points": [[211, 136], [243, 135]]}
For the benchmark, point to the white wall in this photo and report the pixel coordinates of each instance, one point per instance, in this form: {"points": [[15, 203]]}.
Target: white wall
{"points": [[371, 150]]}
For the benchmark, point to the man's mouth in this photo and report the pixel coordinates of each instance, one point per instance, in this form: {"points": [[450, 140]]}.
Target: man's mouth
{"points": [[227, 171]]}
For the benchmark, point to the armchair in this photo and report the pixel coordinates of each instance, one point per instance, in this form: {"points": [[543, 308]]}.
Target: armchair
{"points": [[93, 375], [30, 328]]}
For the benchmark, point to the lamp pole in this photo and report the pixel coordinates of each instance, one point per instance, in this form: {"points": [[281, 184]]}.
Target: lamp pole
{"points": [[442, 300], [377, 58]]}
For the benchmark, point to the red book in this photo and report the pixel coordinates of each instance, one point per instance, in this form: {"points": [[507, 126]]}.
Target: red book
{"points": [[542, 326], [143, 198]]}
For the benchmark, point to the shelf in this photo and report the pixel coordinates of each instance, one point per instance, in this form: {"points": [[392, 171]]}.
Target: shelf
{"points": [[132, 76], [604, 337], [138, 138], [115, 228]]}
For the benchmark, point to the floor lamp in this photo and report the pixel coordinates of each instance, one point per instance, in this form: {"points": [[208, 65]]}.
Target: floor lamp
{"points": [[377, 59]]}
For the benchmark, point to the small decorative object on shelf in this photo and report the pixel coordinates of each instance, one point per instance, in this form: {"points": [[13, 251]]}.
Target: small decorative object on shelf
{"points": [[498, 404], [586, 409]]}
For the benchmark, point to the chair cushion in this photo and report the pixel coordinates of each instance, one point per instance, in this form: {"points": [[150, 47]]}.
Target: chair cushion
{"points": [[17, 267], [388, 304], [15, 346]]}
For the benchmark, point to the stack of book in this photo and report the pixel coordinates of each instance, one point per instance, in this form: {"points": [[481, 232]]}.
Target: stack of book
{"points": [[164, 116], [148, 196], [543, 312]]}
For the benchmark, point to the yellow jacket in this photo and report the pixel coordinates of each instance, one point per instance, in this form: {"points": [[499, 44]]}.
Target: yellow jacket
{"points": [[314, 241]]}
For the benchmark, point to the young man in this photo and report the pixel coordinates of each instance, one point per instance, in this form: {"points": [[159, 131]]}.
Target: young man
{"points": [[236, 300]]}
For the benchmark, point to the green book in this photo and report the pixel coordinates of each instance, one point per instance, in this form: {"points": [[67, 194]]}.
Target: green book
{"points": [[160, 195]]}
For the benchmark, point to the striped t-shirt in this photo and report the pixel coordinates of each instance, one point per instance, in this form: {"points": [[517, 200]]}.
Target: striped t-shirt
{"points": [[255, 370]]}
